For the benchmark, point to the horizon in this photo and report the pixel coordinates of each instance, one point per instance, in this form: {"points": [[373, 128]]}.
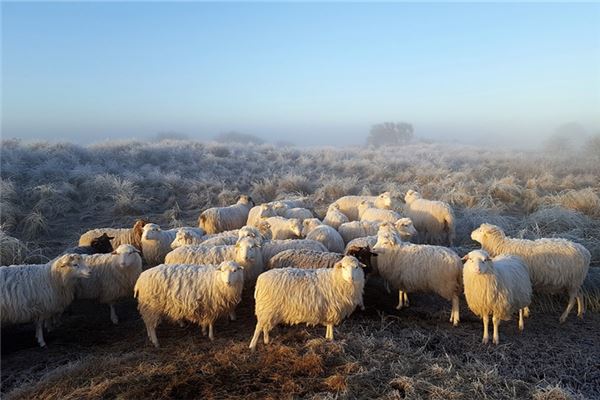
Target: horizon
{"points": [[311, 74]]}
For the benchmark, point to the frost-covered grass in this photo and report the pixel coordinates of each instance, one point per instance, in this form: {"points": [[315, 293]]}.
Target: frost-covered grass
{"points": [[51, 193]]}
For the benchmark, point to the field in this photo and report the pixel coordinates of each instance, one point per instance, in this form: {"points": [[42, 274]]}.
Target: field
{"points": [[51, 193]]}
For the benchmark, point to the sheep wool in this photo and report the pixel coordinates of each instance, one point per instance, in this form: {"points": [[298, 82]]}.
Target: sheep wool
{"points": [[219, 219], [433, 219], [357, 229], [121, 236], [325, 234], [273, 247], [195, 293], [305, 259], [368, 212], [112, 277], [335, 217], [498, 286], [349, 204], [282, 228], [555, 265], [315, 297], [37, 292], [257, 213]]}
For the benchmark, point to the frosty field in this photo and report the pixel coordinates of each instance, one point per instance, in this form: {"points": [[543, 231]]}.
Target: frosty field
{"points": [[51, 193]]}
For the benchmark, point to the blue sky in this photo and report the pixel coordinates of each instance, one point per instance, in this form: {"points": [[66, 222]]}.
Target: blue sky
{"points": [[307, 72]]}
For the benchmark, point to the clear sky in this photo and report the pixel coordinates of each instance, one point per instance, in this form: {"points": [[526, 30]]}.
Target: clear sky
{"points": [[306, 72]]}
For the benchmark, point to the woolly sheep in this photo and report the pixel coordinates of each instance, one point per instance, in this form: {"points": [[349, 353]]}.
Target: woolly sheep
{"points": [[310, 259], [183, 238], [283, 210], [187, 236], [131, 236], [335, 217], [256, 214], [156, 243], [219, 219], [196, 293], [368, 212], [403, 227], [313, 229], [298, 202], [357, 229], [282, 228], [112, 277], [38, 292], [99, 245], [246, 252], [271, 248], [433, 219], [349, 204], [419, 268], [555, 265], [315, 297], [498, 286]]}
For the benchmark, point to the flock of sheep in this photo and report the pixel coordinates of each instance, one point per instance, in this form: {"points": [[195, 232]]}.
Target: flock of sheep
{"points": [[302, 269]]}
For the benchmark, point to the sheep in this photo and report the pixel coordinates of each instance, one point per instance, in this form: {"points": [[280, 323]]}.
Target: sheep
{"points": [[131, 236], [298, 202], [256, 214], [195, 293], [282, 228], [403, 227], [433, 219], [112, 277], [271, 248], [187, 236], [99, 245], [368, 212], [156, 243], [419, 268], [283, 210], [357, 229], [498, 286], [219, 219], [555, 265], [246, 252], [313, 229], [315, 297], [305, 259], [349, 204], [38, 292], [335, 217]]}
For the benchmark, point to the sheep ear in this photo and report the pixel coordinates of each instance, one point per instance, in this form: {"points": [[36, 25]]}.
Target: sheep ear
{"points": [[114, 253], [110, 237], [465, 257], [362, 265], [242, 267]]}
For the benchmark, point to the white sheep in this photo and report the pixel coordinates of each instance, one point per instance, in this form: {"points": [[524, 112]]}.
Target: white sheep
{"points": [[256, 214], [555, 265], [270, 248], [196, 293], [433, 219], [498, 287], [112, 277], [298, 202], [282, 228], [305, 259], [357, 229], [186, 236], [38, 292], [119, 236], [313, 229], [335, 217], [156, 243], [419, 268], [219, 219], [246, 252], [368, 212], [315, 297], [283, 210], [349, 204]]}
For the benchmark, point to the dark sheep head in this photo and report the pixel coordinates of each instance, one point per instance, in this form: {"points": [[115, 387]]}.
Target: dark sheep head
{"points": [[102, 244], [362, 254]]}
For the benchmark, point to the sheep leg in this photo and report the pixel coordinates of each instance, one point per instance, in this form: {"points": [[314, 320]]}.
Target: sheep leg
{"points": [[496, 322], [256, 336], [329, 332], [266, 338], [113, 314], [580, 305], [455, 313], [400, 300], [486, 321], [386, 285], [405, 295], [526, 312], [211, 335], [362, 305], [152, 334], [203, 327], [232, 316], [571, 304], [521, 323], [39, 333]]}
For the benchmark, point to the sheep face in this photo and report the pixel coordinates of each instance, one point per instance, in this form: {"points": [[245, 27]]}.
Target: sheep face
{"points": [[151, 232], [247, 200], [296, 227], [247, 251], [352, 269], [385, 241], [333, 207], [231, 273], [102, 244], [182, 238], [70, 267], [127, 255], [405, 228], [478, 261], [486, 230], [249, 231], [411, 196], [363, 255], [309, 224], [385, 200], [279, 207]]}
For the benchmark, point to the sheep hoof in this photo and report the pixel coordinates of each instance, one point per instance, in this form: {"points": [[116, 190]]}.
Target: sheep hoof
{"points": [[399, 307], [562, 319], [496, 341], [485, 340]]}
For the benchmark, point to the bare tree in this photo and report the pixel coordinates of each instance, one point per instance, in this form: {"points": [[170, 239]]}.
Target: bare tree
{"points": [[390, 134]]}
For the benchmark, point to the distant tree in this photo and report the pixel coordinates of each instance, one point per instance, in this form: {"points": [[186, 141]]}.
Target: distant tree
{"points": [[390, 134], [238, 137], [566, 138]]}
